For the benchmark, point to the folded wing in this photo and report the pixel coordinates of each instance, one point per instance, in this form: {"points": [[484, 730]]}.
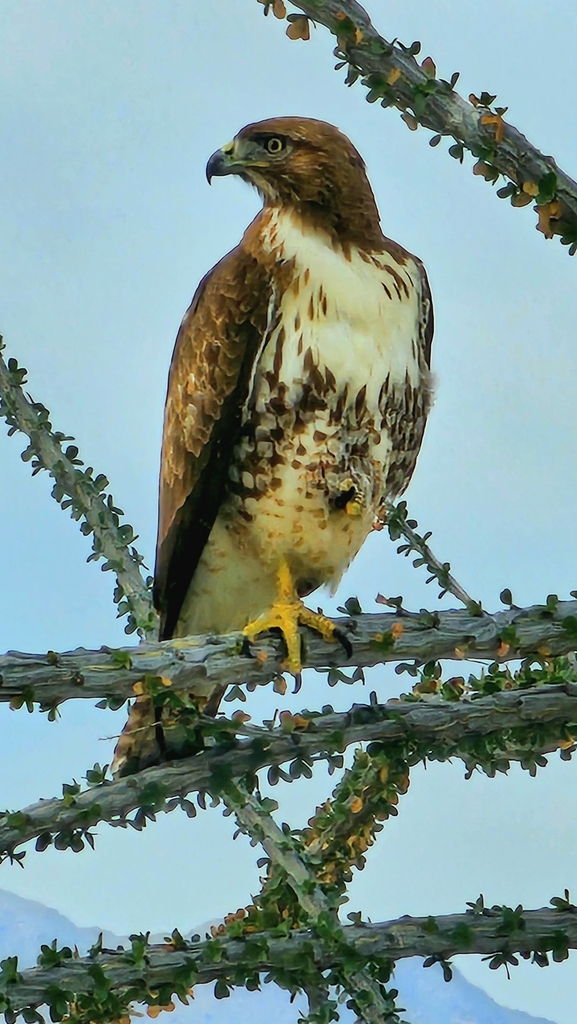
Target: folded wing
{"points": [[218, 341]]}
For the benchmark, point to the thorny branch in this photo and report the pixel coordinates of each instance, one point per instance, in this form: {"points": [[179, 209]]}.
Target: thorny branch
{"points": [[399, 525], [520, 725], [393, 77], [255, 819], [79, 491], [200, 664], [509, 931]]}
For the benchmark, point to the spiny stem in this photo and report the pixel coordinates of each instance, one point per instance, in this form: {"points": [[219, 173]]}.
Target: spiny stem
{"points": [[281, 847], [394, 78], [85, 495], [398, 524], [486, 733]]}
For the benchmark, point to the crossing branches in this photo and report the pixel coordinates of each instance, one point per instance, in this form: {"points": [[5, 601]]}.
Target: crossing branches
{"points": [[488, 733]]}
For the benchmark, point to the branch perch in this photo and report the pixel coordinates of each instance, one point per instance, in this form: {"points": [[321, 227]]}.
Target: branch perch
{"points": [[200, 664]]}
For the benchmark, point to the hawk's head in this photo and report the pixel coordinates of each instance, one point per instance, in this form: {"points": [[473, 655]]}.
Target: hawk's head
{"points": [[309, 166]]}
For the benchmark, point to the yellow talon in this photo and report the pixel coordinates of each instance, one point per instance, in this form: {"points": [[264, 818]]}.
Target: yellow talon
{"points": [[286, 614]]}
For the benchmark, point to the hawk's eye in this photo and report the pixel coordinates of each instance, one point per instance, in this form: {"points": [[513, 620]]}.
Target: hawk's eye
{"points": [[274, 144]]}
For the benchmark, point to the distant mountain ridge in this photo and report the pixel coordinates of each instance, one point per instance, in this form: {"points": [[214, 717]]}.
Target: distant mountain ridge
{"points": [[26, 924]]}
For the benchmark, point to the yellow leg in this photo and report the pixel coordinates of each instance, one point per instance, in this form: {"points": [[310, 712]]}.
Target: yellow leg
{"points": [[286, 614]]}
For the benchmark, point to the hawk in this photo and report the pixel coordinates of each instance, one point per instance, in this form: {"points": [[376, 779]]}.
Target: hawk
{"points": [[297, 395]]}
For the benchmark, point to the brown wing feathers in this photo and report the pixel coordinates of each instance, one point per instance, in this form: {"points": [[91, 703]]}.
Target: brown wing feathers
{"points": [[207, 388]]}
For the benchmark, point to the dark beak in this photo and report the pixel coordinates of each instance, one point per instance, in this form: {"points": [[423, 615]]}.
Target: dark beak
{"points": [[219, 164]]}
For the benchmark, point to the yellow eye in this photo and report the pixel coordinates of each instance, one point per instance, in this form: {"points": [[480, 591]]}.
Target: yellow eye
{"points": [[274, 145]]}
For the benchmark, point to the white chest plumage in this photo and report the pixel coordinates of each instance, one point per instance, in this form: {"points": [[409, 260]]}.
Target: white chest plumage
{"points": [[358, 314]]}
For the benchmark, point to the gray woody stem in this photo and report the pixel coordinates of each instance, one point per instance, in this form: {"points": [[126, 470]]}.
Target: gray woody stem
{"points": [[440, 109], [284, 853], [444, 726], [80, 491], [201, 664], [406, 937], [257, 822]]}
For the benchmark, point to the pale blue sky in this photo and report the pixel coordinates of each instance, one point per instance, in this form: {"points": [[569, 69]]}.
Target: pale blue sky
{"points": [[109, 110]]}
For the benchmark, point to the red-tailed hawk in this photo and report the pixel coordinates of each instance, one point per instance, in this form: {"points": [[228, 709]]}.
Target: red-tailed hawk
{"points": [[297, 396]]}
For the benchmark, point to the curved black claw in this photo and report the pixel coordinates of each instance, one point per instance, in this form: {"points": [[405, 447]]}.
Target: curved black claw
{"points": [[344, 641], [245, 648]]}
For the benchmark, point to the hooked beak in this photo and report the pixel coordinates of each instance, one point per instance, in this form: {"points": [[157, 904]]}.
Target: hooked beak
{"points": [[222, 162]]}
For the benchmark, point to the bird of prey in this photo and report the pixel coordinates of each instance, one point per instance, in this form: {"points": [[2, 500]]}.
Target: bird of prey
{"points": [[297, 396]]}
